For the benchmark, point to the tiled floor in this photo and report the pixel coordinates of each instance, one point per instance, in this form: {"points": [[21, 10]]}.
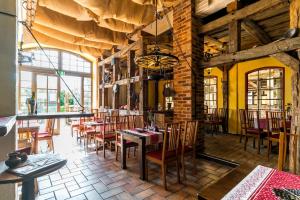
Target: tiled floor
{"points": [[228, 147], [88, 176]]}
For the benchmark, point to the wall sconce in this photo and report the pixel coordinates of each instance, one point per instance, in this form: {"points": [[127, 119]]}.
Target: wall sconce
{"points": [[209, 70]]}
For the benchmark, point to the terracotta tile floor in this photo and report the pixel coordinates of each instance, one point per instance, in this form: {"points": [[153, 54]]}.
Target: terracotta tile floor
{"points": [[88, 176]]}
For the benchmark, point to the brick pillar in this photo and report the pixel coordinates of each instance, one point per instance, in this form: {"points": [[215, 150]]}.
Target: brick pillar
{"points": [[188, 78]]}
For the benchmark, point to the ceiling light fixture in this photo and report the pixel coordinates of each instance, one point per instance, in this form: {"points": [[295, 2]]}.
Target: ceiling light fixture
{"points": [[157, 60]]}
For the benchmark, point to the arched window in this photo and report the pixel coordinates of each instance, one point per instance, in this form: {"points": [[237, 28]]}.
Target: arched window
{"points": [[265, 89], [52, 95]]}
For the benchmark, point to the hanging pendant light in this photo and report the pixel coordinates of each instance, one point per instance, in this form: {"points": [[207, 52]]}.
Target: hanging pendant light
{"points": [[157, 60]]}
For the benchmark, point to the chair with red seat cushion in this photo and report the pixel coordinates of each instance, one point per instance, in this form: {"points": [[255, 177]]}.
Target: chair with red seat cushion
{"points": [[253, 128], [188, 144], [123, 124], [105, 133], [169, 151], [45, 135], [276, 123]]}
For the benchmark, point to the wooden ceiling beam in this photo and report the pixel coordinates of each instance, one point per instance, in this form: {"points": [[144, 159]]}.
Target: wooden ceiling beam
{"points": [[255, 31], [262, 37], [120, 53], [254, 53], [209, 39], [240, 14]]}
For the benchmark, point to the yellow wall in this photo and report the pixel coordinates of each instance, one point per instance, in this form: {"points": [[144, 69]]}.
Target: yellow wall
{"points": [[237, 79], [219, 74], [151, 91]]}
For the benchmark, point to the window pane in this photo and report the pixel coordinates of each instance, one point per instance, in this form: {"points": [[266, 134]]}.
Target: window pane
{"points": [[52, 82], [268, 94], [210, 93], [41, 81], [76, 63]]}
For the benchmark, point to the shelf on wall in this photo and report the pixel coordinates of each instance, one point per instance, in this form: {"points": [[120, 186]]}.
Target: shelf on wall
{"points": [[121, 82], [6, 124]]}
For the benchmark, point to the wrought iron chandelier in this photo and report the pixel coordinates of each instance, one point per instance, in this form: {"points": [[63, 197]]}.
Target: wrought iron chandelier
{"points": [[156, 59]]}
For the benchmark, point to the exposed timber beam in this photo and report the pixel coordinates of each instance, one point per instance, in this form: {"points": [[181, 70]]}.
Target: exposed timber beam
{"points": [[255, 31], [287, 60], [120, 53], [241, 14], [257, 52], [214, 41], [262, 37]]}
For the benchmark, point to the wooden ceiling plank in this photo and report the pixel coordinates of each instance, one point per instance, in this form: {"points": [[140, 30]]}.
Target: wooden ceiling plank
{"points": [[240, 14]]}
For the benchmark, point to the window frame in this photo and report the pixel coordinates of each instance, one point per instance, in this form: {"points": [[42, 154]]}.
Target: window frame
{"points": [[282, 88], [211, 77], [35, 70]]}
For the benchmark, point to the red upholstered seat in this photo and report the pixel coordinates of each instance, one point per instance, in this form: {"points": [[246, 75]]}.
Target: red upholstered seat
{"points": [[252, 130], [107, 136], [158, 154], [275, 136], [43, 134]]}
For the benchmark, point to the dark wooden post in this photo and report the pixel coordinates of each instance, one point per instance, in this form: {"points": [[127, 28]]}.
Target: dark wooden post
{"points": [[115, 96], [131, 70]]}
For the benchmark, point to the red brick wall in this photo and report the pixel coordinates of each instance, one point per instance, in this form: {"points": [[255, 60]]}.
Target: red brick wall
{"points": [[188, 83]]}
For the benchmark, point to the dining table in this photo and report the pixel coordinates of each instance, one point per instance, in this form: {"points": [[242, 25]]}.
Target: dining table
{"points": [[143, 137], [36, 166], [266, 183]]}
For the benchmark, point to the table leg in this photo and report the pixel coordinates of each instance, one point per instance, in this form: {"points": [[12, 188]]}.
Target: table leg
{"points": [[142, 158], [123, 153], [28, 190]]}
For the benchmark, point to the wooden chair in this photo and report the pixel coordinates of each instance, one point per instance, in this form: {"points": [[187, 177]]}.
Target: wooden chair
{"points": [[114, 113], [168, 153], [242, 114], [276, 123], [105, 133], [95, 111], [213, 120], [101, 116], [222, 119], [188, 144], [45, 135], [139, 121], [252, 128], [122, 125]]}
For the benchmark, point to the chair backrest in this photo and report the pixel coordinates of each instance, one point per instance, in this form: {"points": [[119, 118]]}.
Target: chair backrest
{"points": [[172, 136], [276, 121], [190, 134], [213, 115], [122, 123], [102, 115], [242, 115], [294, 144], [222, 113], [50, 126], [159, 120], [139, 121], [114, 112], [110, 123], [252, 119], [131, 121]]}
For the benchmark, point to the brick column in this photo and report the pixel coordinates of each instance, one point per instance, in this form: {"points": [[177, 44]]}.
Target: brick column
{"points": [[188, 78]]}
